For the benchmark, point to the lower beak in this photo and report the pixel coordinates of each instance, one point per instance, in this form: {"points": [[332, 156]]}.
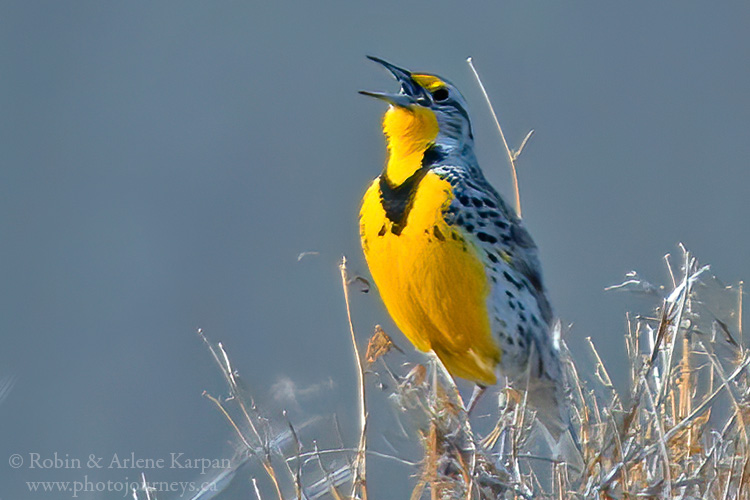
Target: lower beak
{"points": [[400, 100]]}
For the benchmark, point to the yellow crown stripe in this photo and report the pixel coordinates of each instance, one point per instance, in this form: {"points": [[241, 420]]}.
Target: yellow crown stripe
{"points": [[429, 82]]}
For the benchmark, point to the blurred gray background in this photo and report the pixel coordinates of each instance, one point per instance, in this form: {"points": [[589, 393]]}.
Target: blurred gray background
{"points": [[162, 165]]}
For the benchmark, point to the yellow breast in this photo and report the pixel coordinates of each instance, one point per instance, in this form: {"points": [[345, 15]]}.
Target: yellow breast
{"points": [[431, 279]]}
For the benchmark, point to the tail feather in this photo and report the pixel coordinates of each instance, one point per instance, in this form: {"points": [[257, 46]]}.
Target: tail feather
{"points": [[545, 394]]}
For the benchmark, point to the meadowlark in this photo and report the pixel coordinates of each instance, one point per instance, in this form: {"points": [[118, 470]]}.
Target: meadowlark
{"points": [[454, 265]]}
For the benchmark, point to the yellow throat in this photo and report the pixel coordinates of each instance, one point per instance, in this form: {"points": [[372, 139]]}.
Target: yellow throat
{"points": [[409, 132]]}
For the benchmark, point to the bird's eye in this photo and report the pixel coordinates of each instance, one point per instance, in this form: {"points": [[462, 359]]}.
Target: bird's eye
{"points": [[440, 95]]}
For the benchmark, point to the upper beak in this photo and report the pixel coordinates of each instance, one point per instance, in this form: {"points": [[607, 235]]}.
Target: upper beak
{"points": [[411, 92]]}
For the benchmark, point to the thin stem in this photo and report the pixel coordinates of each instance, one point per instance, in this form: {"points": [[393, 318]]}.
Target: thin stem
{"points": [[360, 468], [511, 156]]}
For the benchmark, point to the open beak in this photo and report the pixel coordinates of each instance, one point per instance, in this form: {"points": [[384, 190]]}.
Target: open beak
{"points": [[411, 92]]}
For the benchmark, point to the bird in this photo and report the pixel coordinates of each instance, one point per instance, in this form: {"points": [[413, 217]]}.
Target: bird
{"points": [[454, 265]]}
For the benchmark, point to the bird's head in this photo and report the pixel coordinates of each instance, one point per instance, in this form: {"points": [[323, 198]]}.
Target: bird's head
{"points": [[427, 110]]}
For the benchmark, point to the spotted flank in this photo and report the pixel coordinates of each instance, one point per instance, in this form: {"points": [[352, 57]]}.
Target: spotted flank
{"points": [[454, 265]]}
